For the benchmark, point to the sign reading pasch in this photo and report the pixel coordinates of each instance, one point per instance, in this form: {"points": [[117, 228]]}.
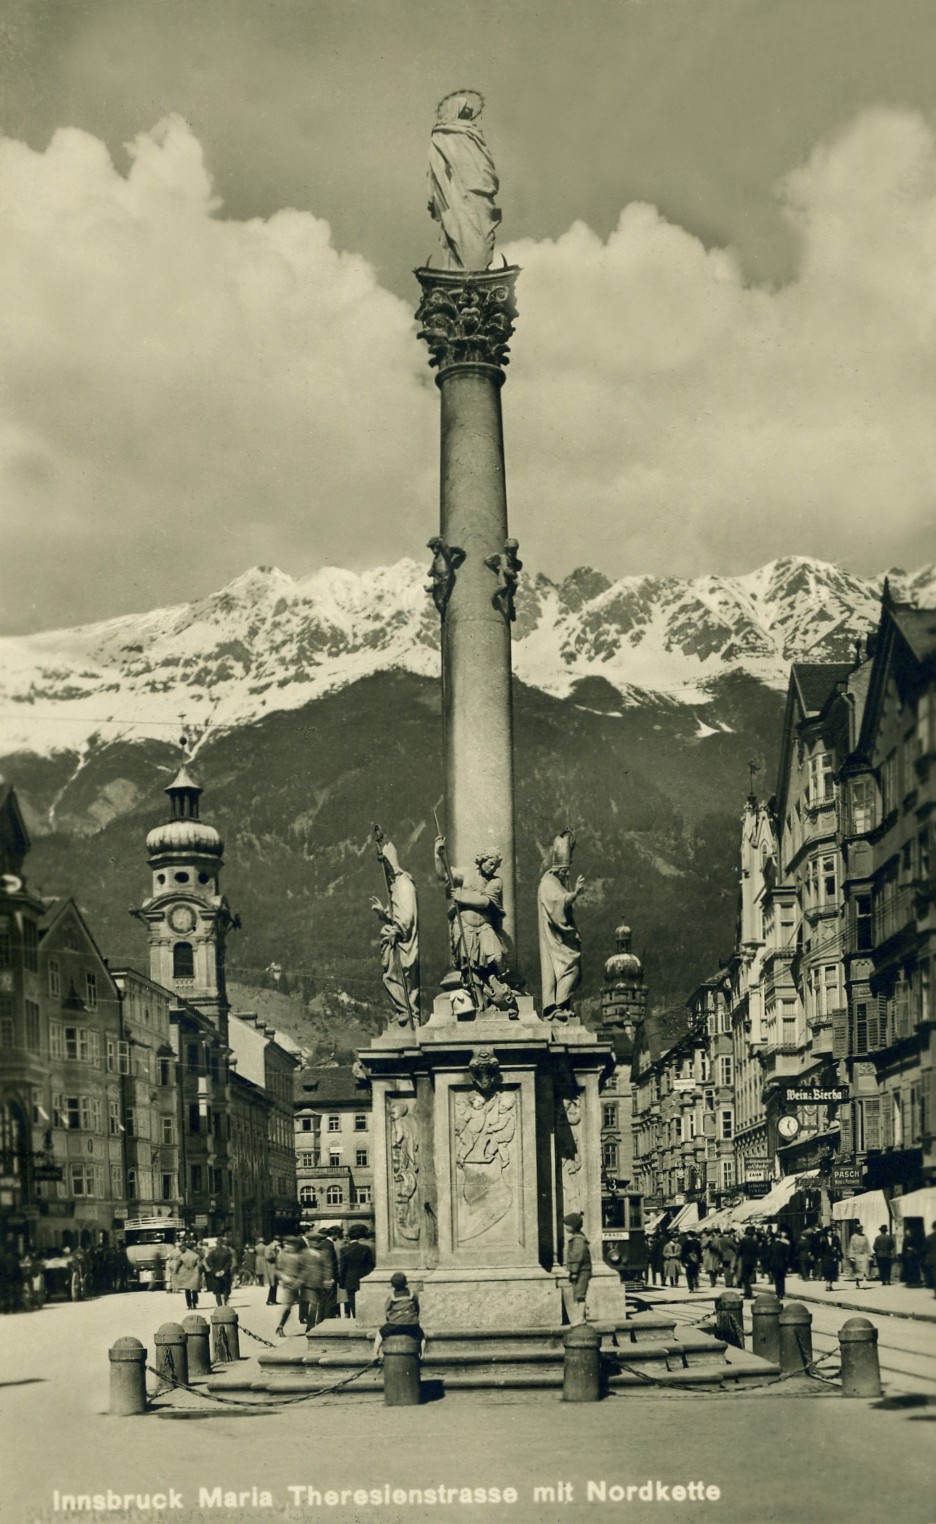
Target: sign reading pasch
{"points": [[845, 1176], [816, 1095]]}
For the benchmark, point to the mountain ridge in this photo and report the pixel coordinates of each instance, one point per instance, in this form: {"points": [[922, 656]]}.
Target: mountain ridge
{"points": [[268, 642]]}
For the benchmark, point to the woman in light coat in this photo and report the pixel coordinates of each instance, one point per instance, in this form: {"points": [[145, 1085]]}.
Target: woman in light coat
{"points": [[859, 1254], [187, 1275]]}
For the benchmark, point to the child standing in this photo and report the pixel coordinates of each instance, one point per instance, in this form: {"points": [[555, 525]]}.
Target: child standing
{"points": [[401, 1313]]}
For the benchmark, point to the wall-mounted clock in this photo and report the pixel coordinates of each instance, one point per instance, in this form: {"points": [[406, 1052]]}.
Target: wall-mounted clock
{"points": [[788, 1126], [182, 918]]}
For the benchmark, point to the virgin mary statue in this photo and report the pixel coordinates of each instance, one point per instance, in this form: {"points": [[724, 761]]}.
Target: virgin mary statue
{"points": [[462, 183]]}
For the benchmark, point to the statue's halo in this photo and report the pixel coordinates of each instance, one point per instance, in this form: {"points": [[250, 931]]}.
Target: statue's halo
{"points": [[468, 96]]}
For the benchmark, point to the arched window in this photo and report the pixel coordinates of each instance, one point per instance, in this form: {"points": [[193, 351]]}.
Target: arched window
{"points": [[307, 1195], [183, 961], [334, 1195], [131, 1184]]}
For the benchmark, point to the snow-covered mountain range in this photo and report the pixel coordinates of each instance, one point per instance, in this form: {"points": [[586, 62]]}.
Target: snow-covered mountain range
{"points": [[269, 643]]}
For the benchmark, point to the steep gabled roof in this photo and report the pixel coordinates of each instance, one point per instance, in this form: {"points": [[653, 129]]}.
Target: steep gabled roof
{"points": [[14, 837], [905, 629], [57, 910], [918, 628], [816, 682]]}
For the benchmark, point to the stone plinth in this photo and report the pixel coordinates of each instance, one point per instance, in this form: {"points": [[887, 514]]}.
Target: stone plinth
{"points": [[486, 1133]]}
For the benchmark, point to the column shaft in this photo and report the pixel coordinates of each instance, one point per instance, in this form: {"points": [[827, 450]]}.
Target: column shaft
{"points": [[477, 702]]}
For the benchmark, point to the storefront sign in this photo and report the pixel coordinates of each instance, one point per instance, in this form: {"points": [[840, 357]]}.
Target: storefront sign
{"points": [[48, 1172], [816, 1095], [847, 1176], [757, 1187], [756, 1169], [653, 1203]]}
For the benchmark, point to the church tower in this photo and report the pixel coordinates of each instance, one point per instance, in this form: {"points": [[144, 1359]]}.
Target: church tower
{"points": [[187, 916]]}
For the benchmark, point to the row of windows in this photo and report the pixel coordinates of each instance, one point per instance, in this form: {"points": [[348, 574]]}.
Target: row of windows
{"points": [[361, 1195], [333, 1123], [312, 1159]]}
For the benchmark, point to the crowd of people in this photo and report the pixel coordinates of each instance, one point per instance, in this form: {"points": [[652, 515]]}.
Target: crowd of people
{"points": [[319, 1272], [739, 1256], [28, 1278]]}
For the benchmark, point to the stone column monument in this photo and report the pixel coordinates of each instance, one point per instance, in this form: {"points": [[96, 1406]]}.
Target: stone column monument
{"points": [[487, 1120], [466, 316]]}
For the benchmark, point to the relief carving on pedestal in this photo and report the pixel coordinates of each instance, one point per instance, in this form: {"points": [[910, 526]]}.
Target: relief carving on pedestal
{"points": [[569, 1141], [485, 1124], [404, 1166]]}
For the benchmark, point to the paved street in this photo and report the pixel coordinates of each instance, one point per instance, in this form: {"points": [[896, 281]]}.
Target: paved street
{"points": [[848, 1454]]}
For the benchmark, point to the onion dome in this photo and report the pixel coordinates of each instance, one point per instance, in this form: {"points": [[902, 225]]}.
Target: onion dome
{"points": [[623, 964], [184, 832], [185, 836]]}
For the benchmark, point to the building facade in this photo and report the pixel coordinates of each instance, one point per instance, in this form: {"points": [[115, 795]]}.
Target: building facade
{"points": [[333, 1142], [151, 1114]]}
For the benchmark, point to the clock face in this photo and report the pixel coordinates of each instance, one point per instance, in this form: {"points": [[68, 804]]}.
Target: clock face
{"points": [[182, 918], [788, 1127]]}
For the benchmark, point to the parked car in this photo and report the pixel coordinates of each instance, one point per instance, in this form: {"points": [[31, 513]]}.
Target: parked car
{"points": [[63, 1275]]}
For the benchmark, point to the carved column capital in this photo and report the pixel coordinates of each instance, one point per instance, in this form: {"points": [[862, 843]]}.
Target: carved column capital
{"points": [[467, 317]]}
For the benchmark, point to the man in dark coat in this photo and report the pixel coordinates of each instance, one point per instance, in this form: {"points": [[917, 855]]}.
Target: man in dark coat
{"points": [[747, 1257], [778, 1262], [355, 1260], [690, 1255], [884, 1249]]}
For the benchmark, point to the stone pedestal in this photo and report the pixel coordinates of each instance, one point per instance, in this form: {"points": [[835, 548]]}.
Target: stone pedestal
{"points": [[486, 1133]]}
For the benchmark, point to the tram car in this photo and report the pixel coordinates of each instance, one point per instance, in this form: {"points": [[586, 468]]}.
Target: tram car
{"points": [[623, 1239]]}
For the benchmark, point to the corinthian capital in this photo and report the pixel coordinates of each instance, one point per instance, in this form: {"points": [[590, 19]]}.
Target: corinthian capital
{"points": [[467, 316]]}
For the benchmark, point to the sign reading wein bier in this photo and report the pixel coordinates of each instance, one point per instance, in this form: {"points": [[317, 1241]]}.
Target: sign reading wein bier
{"points": [[816, 1095]]}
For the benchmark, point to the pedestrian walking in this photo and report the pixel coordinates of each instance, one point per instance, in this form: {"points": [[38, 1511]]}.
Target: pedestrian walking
{"points": [[324, 1245], [728, 1247], [219, 1270], [748, 1255], [884, 1248], [778, 1262], [578, 1266], [859, 1255], [830, 1257], [299, 1272], [355, 1261], [655, 1264], [712, 1257], [671, 1262], [690, 1256], [270, 1257], [187, 1274]]}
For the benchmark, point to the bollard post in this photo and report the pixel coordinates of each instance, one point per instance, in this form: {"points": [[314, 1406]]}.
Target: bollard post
{"points": [[127, 1378], [795, 1324], [196, 1346], [765, 1336], [861, 1367], [581, 1370], [171, 1361], [729, 1318], [401, 1384], [225, 1340]]}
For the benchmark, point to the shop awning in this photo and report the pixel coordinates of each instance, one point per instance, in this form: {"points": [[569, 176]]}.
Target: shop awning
{"points": [[719, 1219], [870, 1209], [916, 1204], [652, 1222], [687, 1217], [769, 1205]]}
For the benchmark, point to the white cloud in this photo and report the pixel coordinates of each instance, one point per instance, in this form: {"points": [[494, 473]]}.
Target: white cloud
{"points": [[183, 395], [693, 423]]}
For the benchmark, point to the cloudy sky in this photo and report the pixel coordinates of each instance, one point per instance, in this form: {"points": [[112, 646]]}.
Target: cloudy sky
{"points": [[725, 211]]}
